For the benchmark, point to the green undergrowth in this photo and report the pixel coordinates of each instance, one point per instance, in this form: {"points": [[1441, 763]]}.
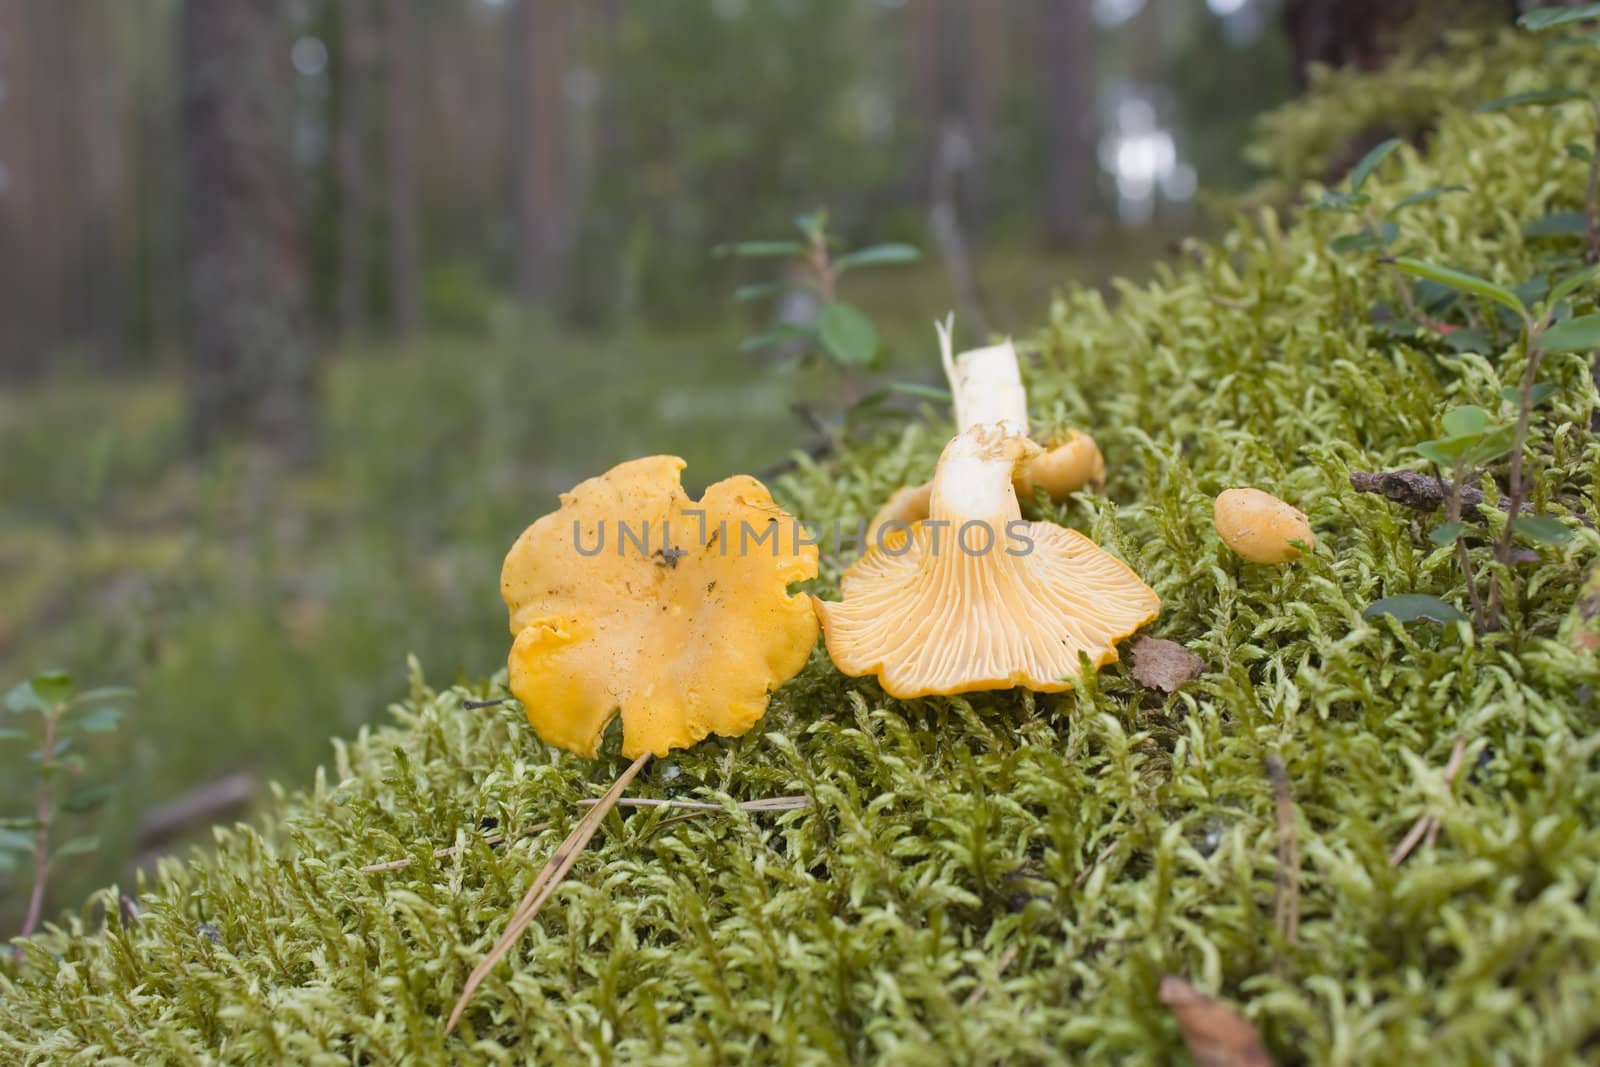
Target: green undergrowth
{"points": [[1005, 877]]}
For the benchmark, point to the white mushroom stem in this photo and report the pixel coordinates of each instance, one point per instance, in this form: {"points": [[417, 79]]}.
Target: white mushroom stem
{"points": [[986, 384], [991, 406]]}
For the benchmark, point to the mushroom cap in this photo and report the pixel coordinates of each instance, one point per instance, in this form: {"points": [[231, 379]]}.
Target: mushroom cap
{"points": [[681, 621], [1064, 467], [1259, 526], [978, 598]]}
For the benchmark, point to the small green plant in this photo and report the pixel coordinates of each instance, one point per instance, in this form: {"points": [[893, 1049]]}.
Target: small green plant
{"points": [[841, 332], [1473, 438], [49, 716]]}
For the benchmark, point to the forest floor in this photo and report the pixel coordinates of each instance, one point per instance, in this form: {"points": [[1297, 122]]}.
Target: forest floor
{"points": [[256, 616]]}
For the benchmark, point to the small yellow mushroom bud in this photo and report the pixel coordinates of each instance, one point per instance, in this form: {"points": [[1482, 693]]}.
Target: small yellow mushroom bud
{"points": [[1062, 469], [1259, 526]]}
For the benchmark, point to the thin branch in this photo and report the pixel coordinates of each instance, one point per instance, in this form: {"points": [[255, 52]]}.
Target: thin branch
{"points": [[1591, 215], [1287, 908], [791, 803], [41, 834], [1007, 958], [1428, 825], [545, 885]]}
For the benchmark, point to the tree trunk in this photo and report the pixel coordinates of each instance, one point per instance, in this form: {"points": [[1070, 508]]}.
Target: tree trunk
{"points": [[250, 356], [1365, 33], [404, 255], [351, 159], [540, 114], [1071, 121]]}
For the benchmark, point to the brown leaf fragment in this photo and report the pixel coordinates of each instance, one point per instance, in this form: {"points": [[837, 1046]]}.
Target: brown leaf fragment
{"points": [[1217, 1035], [1164, 665], [1583, 625]]}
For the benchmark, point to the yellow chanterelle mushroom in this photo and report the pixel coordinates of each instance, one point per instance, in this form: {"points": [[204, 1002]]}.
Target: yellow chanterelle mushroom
{"points": [[1260, 527], [633, 599], [972, 596]]}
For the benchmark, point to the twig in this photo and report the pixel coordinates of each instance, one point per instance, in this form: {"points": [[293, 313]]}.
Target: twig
{"points": [[545, 885], [1287, 908], [791, 803], [1007, 958], [41, 833], [473, 705], [1428, 825], [1591, 215], [441, 853], [206, 804], [1517, 489], [1412, 489]]}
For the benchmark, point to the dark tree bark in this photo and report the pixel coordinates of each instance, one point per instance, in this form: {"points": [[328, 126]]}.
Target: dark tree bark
{"points": [[404, 247], [251, 360], [543, 218], [354, 80], [1365, 33], [1071, 125]]}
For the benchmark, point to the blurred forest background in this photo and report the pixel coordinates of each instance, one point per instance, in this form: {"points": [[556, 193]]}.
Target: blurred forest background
{"points": [[308, 307]]}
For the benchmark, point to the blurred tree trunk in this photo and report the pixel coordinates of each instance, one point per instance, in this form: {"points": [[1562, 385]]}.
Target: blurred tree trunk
{"points": [[250, 355], [403, 72], [355, 83], [1071, 121], [540, 135], [1366, 33]]}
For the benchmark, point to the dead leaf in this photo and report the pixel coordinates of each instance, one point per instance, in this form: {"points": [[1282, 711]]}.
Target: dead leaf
{"points": [[1583, 625], [1217, 1035], [1164, 665]]}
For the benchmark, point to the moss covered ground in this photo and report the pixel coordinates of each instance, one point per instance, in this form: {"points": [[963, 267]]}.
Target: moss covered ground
{"points": [[1005, 877]]}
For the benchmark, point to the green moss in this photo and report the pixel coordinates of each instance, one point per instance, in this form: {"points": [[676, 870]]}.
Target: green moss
{"points": [[1099, 837]]}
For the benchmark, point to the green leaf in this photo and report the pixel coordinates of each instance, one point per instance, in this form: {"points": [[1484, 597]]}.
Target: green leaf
{"points": [[1558, 224], [1572, 283], [1369, 162], [1463, 281], [22, 698], [757, 249], [1542, 529], [1488, 446], [1446, 533], [877, 256], [847, 335], [1414, 607], [775, 336], [1340, 202], [1580, 151], [87, 799], [1467, 339], [16, 841], [53, 687], [78, 846], [105, 692], [1540, 392], [1580, 334], [8, 734], [1468, 450], [812, 223], [1468, 418], [1546, 18], [1364, 239], [1426, 195], [1539, 98], [761, 290], [101, 720], [926, 392], [19, 822]]}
